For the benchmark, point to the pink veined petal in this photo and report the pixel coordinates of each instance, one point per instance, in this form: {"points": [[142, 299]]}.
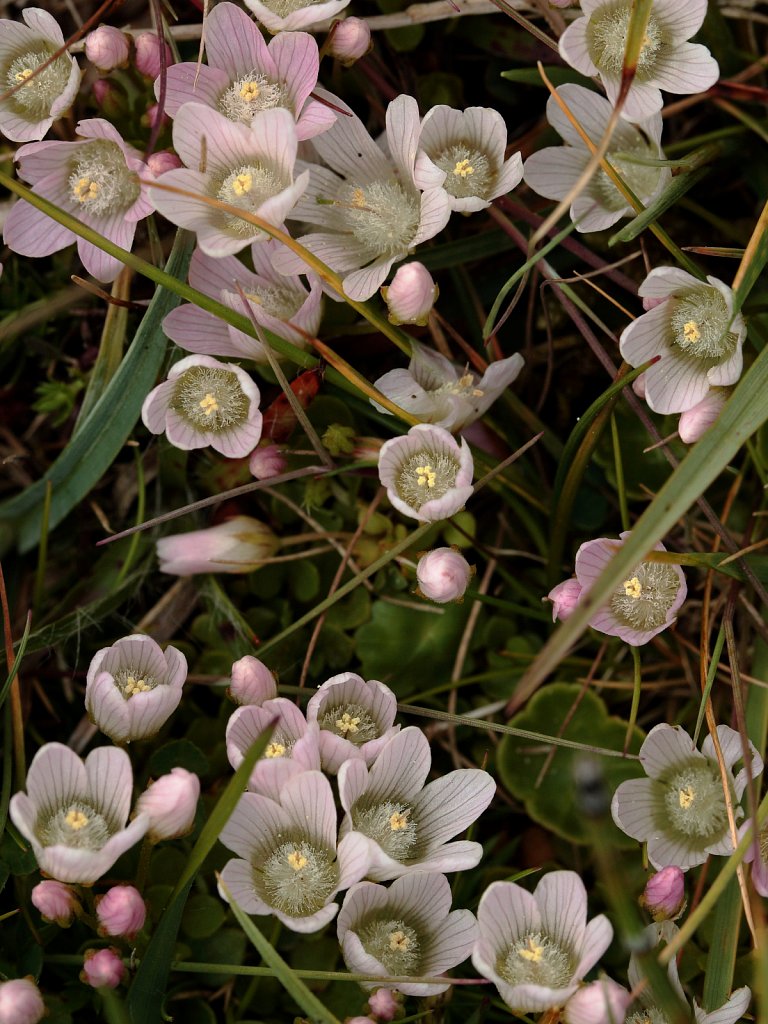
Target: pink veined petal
{"points": [[195, 330], [110, 782], [562, 901], [156, 405], [297, 63], [30, 232], [426, 173], [440, 127], [664, 747], [186, 211], [591, 110], [665, 281], [358, 960], [646, 337], [314, 922], [461, 855], [353, 781], [199, 129], [634, 807], [667, 851], [506, 912], [592, 557], [252, 824], [107, 707], [590, 216], [552, 172], [237, 876], [681, 18], [688, 68], [316, 204], [314, 118], [56, 777], [450, 804], [434, 215], [274, 136], [150, 711], [308, 800], [403, 125], [573, 47], [597, 938], [401, 768], [510, 176], [674, 384], [188, 83], [241, 440], [362, 284], [643, 99], [182, 434], [233, 42], [95, 260], [341, 252], [730, 744], [349, 149], [353, 857], [453, 943]]}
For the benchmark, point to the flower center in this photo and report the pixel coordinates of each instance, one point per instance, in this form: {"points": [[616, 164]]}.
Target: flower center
{"points": [[210, 399], [468, 171], [382, 216], [275, 750], [607, 41], [100, 180], [425, 476], [643, 178], [393, 943], [297, 879], [282, 8], [79, 825], [250, 94], [699, 321], [279, 301], [131, 681], [352, 721], [247, 187], [762, 842], [643, 600], [694, 801], [390, 824], [535, 960], [35, 99]]}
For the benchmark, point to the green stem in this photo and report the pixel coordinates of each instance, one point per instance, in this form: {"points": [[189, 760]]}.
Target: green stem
{"points": [[636, 690]]}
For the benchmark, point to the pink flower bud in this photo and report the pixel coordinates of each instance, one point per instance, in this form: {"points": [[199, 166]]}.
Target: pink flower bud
{"points": [[147, 59], [170, 802], [55, 901], [121, 911], [110, 97], [664, 894], [20, 1002], [252, 682], [411, 295], [350, 41], [564, 597], [163, 161], [638, 386], [597, 1003], [150, 117], [107, 48], [103, 968], [359, 1020], [443, 575], [240, 544], [696, 421], [384, 1005], [267, 461]]}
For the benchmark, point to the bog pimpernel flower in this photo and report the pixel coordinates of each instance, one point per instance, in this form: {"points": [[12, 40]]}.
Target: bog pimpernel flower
{"points": [[96, 180], [552, 172], [240, 544], [407, 928], [411, 295], [537, 947], [289, 15], [74, 814], [29, 112], [245, 76], [170, 803], [679, 810], [462, 153], [56, 902], [600, 1002], [694, 329], [426, 474], [443, 575], [292, 866], [595, 45], [252, 682], [20, 1002], [206, 402]]}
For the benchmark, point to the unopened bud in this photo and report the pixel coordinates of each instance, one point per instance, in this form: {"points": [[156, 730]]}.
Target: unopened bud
{"points": [[443, 575], [411, 295], [638, 386], [267, 461], [55, 901], [110, 97], [695, 422], [170, 802], [599, 1002], [240, 544], [252, 682], [107, 47], [121, 911], [564, 597], [664, 894], [148, 49], [103, 968], [350, 41], [163, 161], [20, 1002], [384, 1005]]}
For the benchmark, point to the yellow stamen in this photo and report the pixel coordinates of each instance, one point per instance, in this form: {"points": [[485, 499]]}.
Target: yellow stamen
{"points": [[347, 723], [358, 197], [242, 184], [22, 76], [209, 405], [426, 475], [85, 189], [297, 860], [136, 686], [691, 331], [686, 796], [249, 91], [463, 168], [398, 940], [633, 588], [76, 820], [532, 952], [275, 750], [398, 821]]}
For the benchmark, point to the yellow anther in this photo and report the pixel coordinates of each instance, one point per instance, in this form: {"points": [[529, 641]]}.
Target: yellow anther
{"points": [[358, 197], [242, 184], [426, 476], [347, 723], [686, 796], [85, 189], [633, 588], [209, 405], [136, 686], [532, 952], [463, 168], [249, 91], [22, 76], [398, 821], [398, 940], [76, 820], [275, 750], [297, 860], [691, 331]]}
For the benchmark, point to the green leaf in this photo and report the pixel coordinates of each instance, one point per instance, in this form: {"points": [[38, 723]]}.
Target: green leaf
{"points": [[16, 661], [178, 754], [203, 916], [531, 76]]}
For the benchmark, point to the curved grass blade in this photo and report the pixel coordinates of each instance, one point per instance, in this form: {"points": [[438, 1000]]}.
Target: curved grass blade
{"points": [[675, 190], [17, 660]]}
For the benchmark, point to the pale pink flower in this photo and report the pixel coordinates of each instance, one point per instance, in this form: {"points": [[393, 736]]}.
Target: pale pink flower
{"points": [[426, 474], [74, 814], [695, 422], [461, 152], [275, 302], [147, 59], [103, 968], [267, 461], [245, 76], [599, 1002], [96, 180], [28, 114], [206, 402], [292, 865], [679, 810], [437, 391], [695, 331], [552, 172], [565, 598], [293, 747], [643, 604], [290, 15], [20, 1002], [249, 167], [133, 687], [757, 856], [108, 48], [595, 45], [369, 211], [163, 161], [664, 894], [170, 803], [121, 911], [384, 1004], [411, 295], [537, 947], [356, 719], [55, 901], [443, 575], [252, 682], [407, 928], [240, 544], [406, 824], [351, 40]]}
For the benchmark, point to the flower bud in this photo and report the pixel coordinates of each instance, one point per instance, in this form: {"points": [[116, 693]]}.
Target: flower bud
{"points": [[411, 295], [20, 1002], [110, 97], [350, 41], [443, 575], [598, 1002], [103, 968], [638, 386], [147, 60], [384, 1005], [664, 894], [107, 48], [121, 911], [150, 117], [170, 802], [240, 544], [564, 597], [695, 422], [267, 461], [55, 901], [252, 682], [163, 161]]}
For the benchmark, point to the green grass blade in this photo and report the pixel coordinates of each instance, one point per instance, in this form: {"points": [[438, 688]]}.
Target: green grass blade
{"points": [[675, 190], [16, 661]]}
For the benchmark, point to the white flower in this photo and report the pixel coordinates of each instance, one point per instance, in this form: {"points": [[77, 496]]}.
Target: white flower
{"points": [[426, 474]]}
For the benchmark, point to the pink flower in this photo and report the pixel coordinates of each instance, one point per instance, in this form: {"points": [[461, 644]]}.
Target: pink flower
{"points": [[121, 911], [564, 597], [245, 76], [266, 462], [240, 544], [664, 894], [56, 902], [148, 49], [599, 1002], [103, 968], [289, 15], [411, 295], [384, 1004], [426, 474], [356, 719], [95, 180], [163, 161], [206, 402], [20, 1002], [695, 422], [107, 48], [170, 804], [252, 682], [351, 40], [443, 575]]}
